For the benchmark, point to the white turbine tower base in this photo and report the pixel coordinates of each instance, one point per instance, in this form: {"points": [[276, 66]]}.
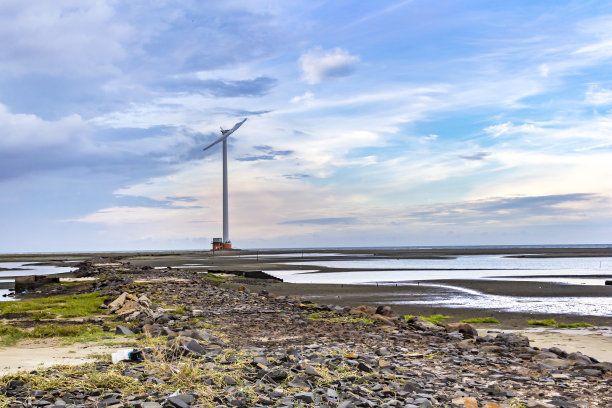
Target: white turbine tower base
{"points": [[224, 135]]}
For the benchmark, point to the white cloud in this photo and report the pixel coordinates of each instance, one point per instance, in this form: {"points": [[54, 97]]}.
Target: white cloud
{"points": [[599, 96], [318, 65], [307, 97], [60, 37], [27, 131]]}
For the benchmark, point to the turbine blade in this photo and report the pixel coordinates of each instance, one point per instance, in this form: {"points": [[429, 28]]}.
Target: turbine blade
{"points": [[226, 134], [237, 125], [222, 138]]}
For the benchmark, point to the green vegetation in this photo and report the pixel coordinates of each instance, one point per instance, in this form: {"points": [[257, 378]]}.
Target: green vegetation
{"points": [[574, 325], [480, 320], [56, 306], [214, 278], [10, 335], [68, 283], [328, 317], [553, 323], [42, 316], [178, 309], [547, 322], [436, 319]]}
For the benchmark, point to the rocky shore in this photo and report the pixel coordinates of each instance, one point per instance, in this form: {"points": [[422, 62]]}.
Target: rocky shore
{"points": [[207, 345]]}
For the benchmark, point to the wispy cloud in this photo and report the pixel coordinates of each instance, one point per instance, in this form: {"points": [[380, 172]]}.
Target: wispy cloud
{"points": [[322, 221], [297, 176], [222, 88], [599, 96], [476, 156], [319, 65], [269, 154]]}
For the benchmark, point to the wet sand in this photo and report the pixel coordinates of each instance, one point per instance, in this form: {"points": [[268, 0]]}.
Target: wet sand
{"points": [[355, 295]]}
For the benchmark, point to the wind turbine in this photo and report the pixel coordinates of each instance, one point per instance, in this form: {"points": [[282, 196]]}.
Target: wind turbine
{"points": [[226, 244]]}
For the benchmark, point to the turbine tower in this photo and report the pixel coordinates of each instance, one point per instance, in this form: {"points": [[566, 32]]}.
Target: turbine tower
{"points": [[225, 244]]}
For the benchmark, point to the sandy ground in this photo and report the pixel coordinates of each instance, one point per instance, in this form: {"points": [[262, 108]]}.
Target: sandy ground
{"points": [[594, 342], [32, 355]]}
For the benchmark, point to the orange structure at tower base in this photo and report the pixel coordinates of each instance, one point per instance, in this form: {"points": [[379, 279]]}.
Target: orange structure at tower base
{"points": [[218, 244]]}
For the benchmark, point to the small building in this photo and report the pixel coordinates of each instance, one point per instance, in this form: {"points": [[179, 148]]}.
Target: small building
{"points": [[217, 244]]}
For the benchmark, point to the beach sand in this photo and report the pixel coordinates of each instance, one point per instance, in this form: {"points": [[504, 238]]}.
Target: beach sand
{"points": [[594, 342], [34, 354]]}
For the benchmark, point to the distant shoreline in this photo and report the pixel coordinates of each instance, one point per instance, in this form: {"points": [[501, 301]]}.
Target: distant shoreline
{"points": [[418, 248]]}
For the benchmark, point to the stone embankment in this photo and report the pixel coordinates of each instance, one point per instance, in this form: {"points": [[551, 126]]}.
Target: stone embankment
{"points": [[209, 346]]}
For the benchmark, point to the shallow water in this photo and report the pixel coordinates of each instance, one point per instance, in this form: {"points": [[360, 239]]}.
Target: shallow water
{"points": [[31, 269], [185, 266], [292, 255], [4, 292], [464, 267], [26, 271], [582, 271], [467, 298]]}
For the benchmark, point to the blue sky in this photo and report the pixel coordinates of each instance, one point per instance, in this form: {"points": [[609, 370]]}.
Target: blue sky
{"points": [[369, 123]]}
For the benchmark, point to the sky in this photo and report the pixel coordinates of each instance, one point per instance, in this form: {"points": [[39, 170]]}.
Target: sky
{"points": [[387, 123]]}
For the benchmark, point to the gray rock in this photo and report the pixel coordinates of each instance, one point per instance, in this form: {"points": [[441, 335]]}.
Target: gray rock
{"points": [[123, 330], [591, 372], [411, 386], [298, 382], [307, 397], [151, 405], [467, 330], [382, 351], [277, 375], [229, 380], [178, 402], [186, 399], [331, 394], [195, 347], [109, 401], [311, 371], [422, 403], [556, 363], [512, 339], [204, 336], [263, 360]]}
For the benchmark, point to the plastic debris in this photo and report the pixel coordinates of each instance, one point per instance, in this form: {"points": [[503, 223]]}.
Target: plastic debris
{"points": [[127, 355]]}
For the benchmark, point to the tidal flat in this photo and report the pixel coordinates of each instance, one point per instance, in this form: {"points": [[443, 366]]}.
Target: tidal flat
{"points": [[211, 337]]}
